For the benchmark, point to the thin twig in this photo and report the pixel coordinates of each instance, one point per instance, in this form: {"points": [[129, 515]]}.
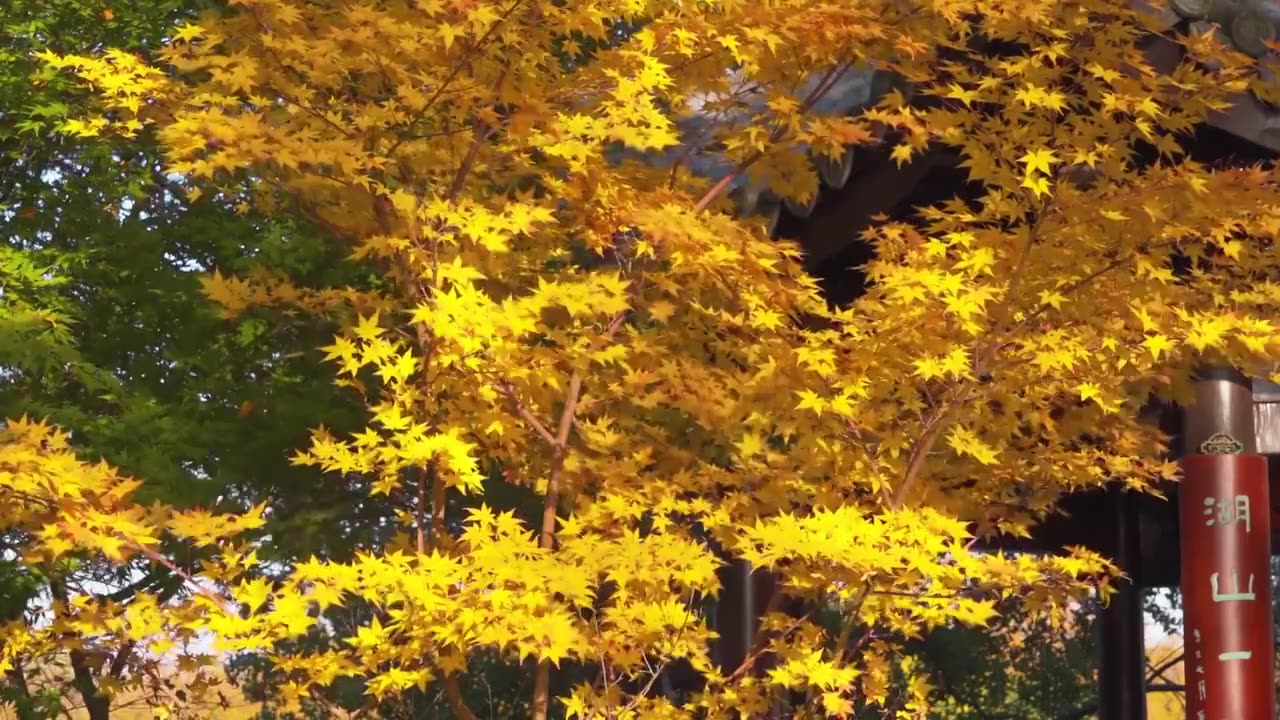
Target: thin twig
{"points": [[481, 133], [654, 674], [457, 68], [420, 510], [162, 560], [449, 681], [749, 661]]}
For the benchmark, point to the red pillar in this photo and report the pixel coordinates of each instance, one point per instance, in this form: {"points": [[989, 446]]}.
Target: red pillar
{"points": [[1225, 523]]}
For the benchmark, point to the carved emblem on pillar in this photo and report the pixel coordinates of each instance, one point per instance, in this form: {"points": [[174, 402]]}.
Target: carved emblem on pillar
{"points": [[1221, 444]]}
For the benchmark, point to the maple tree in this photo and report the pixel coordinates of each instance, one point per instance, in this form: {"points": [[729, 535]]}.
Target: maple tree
{"points": [[563, 307]]}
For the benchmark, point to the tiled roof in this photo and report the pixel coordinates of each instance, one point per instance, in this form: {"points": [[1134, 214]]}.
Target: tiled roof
{"points": [[1246, 24]]}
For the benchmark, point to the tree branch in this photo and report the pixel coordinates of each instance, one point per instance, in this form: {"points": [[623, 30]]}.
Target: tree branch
{"points": [[449, 682], [95, 703], [542, 681], [439, 499], [934, 427], [18, 680], [121, 659], [526, 414], [919, 453], [453, 696], [750, 660], [1158, 671], [819, 91]]}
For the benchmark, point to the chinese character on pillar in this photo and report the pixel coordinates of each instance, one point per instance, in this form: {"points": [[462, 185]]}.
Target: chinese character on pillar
{"points": [[1226, 558], [1224, 512]]}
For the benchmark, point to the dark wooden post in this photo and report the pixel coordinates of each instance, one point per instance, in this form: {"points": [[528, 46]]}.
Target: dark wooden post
{"points": [[1225, 523], [737, 616], [1122, 661]]}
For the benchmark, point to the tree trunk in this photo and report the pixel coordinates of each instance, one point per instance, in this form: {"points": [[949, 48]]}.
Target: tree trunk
{"points": [[22, 704], [97, 705]]}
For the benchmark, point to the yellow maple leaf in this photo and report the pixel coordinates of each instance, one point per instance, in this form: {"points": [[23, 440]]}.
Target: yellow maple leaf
{"points": [[901, 153], [966, 96], [1036, 184], [1041, 160], [1157, 344], [965, 442]]}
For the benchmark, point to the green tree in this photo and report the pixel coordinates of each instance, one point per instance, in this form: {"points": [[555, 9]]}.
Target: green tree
{"points": [[105, 329], [1019, 667]]}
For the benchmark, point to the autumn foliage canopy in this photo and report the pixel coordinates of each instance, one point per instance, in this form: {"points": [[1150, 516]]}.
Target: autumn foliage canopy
{"points": [[555, 305]]}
